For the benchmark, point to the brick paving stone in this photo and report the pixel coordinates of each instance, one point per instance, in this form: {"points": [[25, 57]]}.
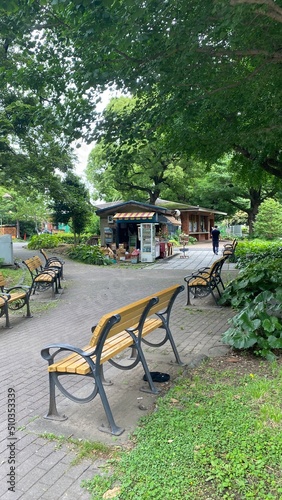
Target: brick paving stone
{"points": [[45, 471]]}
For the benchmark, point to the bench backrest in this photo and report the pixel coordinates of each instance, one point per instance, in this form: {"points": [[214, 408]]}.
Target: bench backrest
{"points": [[131, 315], [30, 264], [216, 266], [38, 262], [34, 265]]}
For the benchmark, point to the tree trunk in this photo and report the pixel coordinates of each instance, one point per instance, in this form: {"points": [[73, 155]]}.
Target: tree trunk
{"points": [[153, 197], [255, 199]]}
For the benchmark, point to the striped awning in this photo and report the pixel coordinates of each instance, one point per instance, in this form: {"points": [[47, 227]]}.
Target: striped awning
{"points": [[134, 216]]}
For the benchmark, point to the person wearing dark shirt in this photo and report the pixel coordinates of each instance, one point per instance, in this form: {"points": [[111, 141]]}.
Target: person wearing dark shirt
{"points": [[215, 239]]}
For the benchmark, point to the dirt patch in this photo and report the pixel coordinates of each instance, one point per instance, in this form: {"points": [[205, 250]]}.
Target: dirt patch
{"points": [[242, 364]]}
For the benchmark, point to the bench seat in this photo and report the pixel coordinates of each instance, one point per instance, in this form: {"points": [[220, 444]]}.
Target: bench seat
{"points": [[112, 347]]}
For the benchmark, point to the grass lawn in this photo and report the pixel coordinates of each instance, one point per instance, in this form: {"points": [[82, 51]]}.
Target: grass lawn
{"points": [[216, 434]]}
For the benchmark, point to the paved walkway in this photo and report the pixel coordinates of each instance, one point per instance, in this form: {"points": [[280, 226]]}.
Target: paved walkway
{"points": [[45, 470]]}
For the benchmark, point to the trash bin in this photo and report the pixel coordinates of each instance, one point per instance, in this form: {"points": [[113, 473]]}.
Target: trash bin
{"points": [[135, 256], [162, 250]]}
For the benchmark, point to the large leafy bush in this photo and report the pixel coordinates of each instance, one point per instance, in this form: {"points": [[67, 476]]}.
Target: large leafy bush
{"points": [[43, 241], [88, 254], [257, 293], [256, 249]]}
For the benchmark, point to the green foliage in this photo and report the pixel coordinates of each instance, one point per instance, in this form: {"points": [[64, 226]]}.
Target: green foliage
{"points": [[89, 255], [269, 220], [43, 241], [53, 240], [221, 95], [131, 160], [253, 250], [93, 225], [71, 204], [258, 325], [189, 447], [257, 293], [83, 449]]}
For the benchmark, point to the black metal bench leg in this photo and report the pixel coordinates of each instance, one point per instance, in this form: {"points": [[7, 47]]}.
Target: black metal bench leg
{"points": [[188, 296], [115, 430], [53, 412], [102, 376], [153, 388], [214, 297], [59, 281], [6, 312], [174, 348], [28, 312]]}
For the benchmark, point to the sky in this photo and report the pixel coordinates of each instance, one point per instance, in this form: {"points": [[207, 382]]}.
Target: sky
{"points": [[85, 149], [82, 157]]}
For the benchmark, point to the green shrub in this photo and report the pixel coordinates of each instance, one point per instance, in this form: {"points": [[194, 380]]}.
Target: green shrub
{"points": [[88, 254], [256, 249], [268, 222], [257, 293], [192, 240], [43, 241]]}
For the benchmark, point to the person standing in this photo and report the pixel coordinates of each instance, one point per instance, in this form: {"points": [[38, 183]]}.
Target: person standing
{"points": [[215, 239]]}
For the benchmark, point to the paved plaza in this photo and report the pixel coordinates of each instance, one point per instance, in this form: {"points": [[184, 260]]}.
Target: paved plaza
{"points": [[44, 470]]}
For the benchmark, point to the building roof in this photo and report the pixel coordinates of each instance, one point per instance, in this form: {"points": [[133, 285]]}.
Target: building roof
{"points": [[162, 206], [184, 207], [107, 208]]}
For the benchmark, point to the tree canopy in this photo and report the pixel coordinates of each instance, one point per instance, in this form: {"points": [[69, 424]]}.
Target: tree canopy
{"points": [[131, 160], [71, 204], [209, 71]]}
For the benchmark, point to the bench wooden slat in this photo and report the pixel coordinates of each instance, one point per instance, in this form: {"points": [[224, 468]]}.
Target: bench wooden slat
{"points": [[113, 346], [128, 314]]}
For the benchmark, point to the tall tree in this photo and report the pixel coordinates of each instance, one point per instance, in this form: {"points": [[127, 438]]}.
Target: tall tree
{"points": [[71, 204], [133, 161], [228, 187], [37, 121], [210, 69]]}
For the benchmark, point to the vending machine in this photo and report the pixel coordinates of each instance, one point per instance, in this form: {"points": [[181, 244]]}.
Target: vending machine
{"points": [[148, 242]]}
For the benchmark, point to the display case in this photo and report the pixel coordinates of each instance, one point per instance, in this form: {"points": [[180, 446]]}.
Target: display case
{"points": [[148, 242]]}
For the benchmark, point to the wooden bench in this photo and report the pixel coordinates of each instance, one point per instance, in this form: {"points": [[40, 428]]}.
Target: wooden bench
{"points": [[55, 262], [229, 249], [204, 281], [13, 298], [43, 278], [116, 331]]}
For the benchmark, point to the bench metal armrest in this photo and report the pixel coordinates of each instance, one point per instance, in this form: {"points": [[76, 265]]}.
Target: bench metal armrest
{"points": [[187, 278], [196, 274], [203, 269], [46, 354], [4, 295], [25, 288]]}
